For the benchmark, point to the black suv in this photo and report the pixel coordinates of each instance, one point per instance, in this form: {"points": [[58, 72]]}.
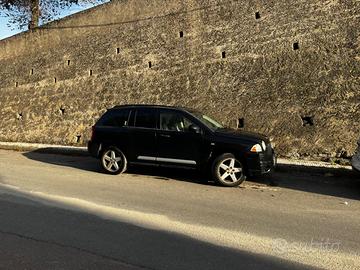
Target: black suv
{"points": [[355, 161], [172, 136]]}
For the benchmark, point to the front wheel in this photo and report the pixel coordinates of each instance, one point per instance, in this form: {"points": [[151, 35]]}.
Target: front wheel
{"points": [[113, 161], [228, 171]]}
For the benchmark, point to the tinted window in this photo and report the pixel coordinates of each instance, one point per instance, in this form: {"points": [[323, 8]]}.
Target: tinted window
{"points": [[174, 121], [117, 118], [145, 118]]}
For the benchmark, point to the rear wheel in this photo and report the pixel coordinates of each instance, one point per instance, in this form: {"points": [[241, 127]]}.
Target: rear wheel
{"points": [[228, 171], [113, 161]]}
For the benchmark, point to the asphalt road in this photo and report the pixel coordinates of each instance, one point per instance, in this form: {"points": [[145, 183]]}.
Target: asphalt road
{"points": [[61, 212]]}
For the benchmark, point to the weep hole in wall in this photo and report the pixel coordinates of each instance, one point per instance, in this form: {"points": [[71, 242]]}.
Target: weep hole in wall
{"points": [[241, 123], [307, 121]]}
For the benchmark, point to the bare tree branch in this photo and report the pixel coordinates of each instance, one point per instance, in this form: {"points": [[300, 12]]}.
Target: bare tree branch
{"points": [[32, 13]]}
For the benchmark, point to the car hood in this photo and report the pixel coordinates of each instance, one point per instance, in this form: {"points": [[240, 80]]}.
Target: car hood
{"points": [[240, 134]]}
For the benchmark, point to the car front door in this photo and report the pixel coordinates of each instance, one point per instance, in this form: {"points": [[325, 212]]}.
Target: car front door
{"points": [[142, 135], [177, 144]]}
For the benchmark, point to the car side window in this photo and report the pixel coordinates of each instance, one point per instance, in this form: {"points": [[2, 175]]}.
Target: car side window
{"points": [[115, 119], [174, 121], [145, 118]]}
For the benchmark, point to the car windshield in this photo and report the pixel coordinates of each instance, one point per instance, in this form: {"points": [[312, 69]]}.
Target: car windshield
{"points": [[208, 121]]}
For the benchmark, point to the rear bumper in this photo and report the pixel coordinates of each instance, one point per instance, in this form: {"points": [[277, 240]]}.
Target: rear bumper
{"points": [[94, 149], [261, 163]]}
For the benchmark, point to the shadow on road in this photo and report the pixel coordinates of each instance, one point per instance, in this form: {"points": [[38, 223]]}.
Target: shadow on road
{"points": [[34, 227], [326, 181], [88, 163], [81, 162]]}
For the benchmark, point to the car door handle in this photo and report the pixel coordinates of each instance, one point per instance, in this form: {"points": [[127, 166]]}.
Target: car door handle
{"points": [[165, 135]]}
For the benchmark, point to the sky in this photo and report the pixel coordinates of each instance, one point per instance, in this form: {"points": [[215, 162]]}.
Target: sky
{"points": [[6, 31]]}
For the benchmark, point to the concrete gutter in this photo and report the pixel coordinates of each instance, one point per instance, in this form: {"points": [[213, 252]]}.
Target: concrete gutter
{"points": [[282, 164]]}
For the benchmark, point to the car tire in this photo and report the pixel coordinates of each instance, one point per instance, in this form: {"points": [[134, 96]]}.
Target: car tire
{"points": [[113, 161], [228, 171]]}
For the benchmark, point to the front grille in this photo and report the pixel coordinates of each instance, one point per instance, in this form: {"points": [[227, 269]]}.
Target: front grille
{"points": [[266, 165], [268, 151]]}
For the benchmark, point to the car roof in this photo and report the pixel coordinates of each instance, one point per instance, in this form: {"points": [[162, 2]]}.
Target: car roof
{"points": [[151, 106]]}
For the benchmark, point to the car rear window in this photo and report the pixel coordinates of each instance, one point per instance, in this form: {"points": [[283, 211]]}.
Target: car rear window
{"points": [[116, 118], [145, 118]]}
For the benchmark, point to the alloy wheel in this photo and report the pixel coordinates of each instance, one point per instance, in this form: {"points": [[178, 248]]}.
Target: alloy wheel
{"points": [[112, 161], [230, 170]]}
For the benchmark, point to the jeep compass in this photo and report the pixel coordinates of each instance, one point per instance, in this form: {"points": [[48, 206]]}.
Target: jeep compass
{"points": [[181, 137]]}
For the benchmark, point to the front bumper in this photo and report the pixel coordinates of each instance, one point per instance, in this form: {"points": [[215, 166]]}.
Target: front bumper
{"points": [[261, 163], [355, 162]]}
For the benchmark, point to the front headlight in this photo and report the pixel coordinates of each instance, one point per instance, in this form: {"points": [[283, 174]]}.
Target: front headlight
{"points": [[263, 145], [257, 148]]}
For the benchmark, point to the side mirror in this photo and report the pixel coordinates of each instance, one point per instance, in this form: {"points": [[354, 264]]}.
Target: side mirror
{"points": [[194, 129]]}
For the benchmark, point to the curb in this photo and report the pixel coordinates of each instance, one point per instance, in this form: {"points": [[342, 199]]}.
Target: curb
{"points": [[45, 148], [313, 167], [311, 163], [282, 164]]}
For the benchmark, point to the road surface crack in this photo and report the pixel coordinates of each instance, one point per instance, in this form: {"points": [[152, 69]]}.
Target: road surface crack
{"points": [[76, 248]]}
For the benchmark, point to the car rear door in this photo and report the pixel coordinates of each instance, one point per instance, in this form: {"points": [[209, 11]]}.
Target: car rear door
{"points": [[142, 135]]}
